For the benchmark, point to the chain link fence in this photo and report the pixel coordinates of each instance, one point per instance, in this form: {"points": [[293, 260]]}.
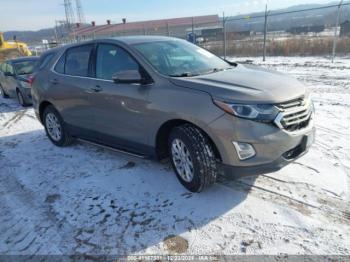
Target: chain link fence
{"points": [[314, 31], [323, 30]]}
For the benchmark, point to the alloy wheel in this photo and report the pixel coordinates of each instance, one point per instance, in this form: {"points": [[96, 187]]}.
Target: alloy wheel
{"points": [[53, 126], [182, 160]]}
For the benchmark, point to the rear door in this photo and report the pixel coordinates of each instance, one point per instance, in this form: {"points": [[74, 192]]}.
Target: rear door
{"points": [[69, 87], [121, 110]]}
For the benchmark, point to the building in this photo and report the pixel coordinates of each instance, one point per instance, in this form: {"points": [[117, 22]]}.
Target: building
{"points": [[239, 35], [173, 27], [306, 29], [345, 28], [207, 33]]}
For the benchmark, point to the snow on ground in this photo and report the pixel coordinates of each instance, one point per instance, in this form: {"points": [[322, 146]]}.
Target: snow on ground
{"points": [[87, 200]]}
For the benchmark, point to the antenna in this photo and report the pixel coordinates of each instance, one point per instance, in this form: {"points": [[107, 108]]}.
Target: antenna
{"points": [[70, 19], [80, 12]]}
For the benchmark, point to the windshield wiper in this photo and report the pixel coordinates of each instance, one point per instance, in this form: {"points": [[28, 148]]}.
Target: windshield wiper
{"points": [[215, 70], [212, 70], [186, 74]]}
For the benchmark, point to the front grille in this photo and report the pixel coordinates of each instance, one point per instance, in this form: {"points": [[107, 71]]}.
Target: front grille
{"points": [[295, 115]]}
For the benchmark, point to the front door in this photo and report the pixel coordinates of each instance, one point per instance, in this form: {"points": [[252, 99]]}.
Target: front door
{"points": [[121, 111]]}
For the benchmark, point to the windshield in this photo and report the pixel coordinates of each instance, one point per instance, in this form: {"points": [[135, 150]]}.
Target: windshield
{"points": [[179, 58], [25, 67]]}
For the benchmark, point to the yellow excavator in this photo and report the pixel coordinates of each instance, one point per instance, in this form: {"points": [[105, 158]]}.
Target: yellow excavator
{"points": [[12, 49]]}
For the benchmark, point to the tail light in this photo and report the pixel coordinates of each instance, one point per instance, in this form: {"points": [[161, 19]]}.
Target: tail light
{"points": [[31, 80]]}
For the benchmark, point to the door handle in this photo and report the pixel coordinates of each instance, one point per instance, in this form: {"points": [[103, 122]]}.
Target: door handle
{"points": [[96, 89], [54, 81]]}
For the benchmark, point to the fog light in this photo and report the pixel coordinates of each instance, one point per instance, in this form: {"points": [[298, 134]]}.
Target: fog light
{"points": [[244, 150]]}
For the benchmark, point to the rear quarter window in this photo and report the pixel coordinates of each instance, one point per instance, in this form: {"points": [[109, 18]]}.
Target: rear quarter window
{"points": [[45, 60], [59, 67]]}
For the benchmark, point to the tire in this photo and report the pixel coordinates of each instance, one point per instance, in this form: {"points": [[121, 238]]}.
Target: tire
{"points": [[52, 122], [3, 94], [21, 99], [197, 150]]}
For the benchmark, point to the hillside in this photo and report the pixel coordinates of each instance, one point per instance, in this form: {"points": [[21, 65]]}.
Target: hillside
{"points": [[276, 22], [284, 22], [35, 37]]}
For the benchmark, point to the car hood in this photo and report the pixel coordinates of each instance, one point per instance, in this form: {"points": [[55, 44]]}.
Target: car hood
{"points": [[246, 84]]}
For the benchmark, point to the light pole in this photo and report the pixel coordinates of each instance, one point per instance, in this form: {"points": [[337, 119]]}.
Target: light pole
{"points": [[336, 31], [224, 34], [265, 33]]}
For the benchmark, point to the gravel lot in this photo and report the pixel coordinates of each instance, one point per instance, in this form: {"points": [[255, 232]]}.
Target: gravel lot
{"points": [[87, 200]]}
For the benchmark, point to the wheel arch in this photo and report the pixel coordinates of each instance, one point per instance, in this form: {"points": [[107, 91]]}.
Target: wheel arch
{"points": [[161, 140], [42, 107]]}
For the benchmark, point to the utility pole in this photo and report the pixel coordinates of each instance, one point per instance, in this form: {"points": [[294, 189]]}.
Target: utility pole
{"points": [[336, 31], [224, 34], [265, 33], [193, 40], [167, 28], [56, 32]]}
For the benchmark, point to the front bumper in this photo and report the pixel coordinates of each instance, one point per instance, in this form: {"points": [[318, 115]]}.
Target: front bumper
{"points": [[239, 171], [274, 147]]}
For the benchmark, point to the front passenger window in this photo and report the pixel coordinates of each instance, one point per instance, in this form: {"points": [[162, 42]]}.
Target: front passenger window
{"points": [[112, 59]]}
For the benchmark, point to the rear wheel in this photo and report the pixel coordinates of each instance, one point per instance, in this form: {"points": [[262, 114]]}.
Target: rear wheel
{"points": [[21, 99], [192, 157], [55, 128], [2, 92]]}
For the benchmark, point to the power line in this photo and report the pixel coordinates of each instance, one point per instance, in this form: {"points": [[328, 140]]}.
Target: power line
{"points": [[286, 12], [70, 19], [80, 12]]}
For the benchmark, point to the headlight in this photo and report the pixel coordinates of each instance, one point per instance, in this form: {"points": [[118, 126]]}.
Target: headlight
{"points": [[309, 102], [264, 112]]}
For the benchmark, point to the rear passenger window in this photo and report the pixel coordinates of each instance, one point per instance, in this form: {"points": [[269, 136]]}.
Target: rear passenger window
{"points": [[77, 60], [112, 59]]}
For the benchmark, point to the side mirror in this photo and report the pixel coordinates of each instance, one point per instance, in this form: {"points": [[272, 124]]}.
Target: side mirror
{"points": [[128, 77], [8, 74]]}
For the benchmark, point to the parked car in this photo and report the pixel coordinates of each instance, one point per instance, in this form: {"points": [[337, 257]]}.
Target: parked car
{"points": [[164, 97], [16, 78]]}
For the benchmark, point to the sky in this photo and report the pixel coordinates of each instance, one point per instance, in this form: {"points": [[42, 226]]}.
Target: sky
{"points": [[39, 14]]}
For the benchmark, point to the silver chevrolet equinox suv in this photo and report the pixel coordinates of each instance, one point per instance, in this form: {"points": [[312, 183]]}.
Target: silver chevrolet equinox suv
{"points": [[164, 97]]}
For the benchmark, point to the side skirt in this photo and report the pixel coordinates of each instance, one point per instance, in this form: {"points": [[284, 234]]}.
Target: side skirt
{"points": [[112, 143], [112, 148]]}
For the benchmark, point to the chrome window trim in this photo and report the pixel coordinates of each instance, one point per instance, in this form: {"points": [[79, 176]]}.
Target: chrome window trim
{"points": [[52, 69]]}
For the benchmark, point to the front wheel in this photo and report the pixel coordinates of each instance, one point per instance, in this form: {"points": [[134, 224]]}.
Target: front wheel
{"points": [[55, 128], [193, 158]]}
